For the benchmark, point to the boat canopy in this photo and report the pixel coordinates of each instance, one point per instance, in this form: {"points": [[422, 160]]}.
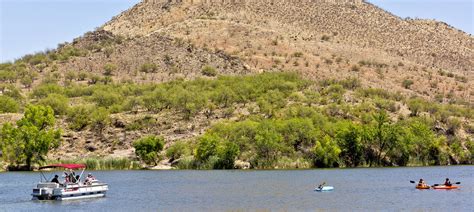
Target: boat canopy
{"points": [[67, 166]]}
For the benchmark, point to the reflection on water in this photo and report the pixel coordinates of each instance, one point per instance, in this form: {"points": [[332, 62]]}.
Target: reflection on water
{"points": [[355, 189]]}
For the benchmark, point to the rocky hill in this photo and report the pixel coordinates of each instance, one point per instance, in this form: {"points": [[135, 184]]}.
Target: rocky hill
{"points": [[320, 38], [355, 54]]}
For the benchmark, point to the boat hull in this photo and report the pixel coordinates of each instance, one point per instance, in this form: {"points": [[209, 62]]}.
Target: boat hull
{"points": [[324, 188], [70, 192]]}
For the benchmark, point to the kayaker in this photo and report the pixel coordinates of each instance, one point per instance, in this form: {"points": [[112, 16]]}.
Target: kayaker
{"points": [[447, 182], [422, 183], [321, 185]]}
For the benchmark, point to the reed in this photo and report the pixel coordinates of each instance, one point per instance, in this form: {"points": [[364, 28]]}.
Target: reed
{"points": [[104, 163]]}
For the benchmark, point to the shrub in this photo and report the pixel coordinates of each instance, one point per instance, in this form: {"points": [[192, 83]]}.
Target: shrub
{"points": [[44, 90], [148, 148], [79, 117], [109, 69], [407, 83], [100, 119], [325, 38], [106, 98], [148, 68], [355, 68], [58, 102], [209, 71], [177, 151], [8, 105]]}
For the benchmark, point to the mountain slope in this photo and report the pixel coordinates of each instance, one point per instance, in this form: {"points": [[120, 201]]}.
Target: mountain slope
{"points": [[267, 34]]}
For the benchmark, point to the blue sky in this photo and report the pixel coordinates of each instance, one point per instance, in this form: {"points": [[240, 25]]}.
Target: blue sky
{"points": [[28, 26]]}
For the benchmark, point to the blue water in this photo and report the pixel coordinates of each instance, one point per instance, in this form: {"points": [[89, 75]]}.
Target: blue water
{"points": [[292, 190]]}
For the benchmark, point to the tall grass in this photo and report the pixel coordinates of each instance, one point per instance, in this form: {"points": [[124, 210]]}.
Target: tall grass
{"points": [[104, 163]]}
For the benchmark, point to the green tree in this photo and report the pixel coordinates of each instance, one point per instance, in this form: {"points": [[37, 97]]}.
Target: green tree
{"points": [[227, 153], [188, 102], [148, 148], [350, 142], [100, 119], [29, 142], [326, 153], [386, 135], [268, 144], [207, 147], [298, 133]]}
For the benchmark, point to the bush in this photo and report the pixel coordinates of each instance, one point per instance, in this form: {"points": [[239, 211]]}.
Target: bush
{"points": [[407, 83], [8, 105], [100, 119], [79, 117], [106, 98], [148, 68], [58, 102], [109, 69], [177, 151], [209, 71], [44, 90], [148, 148]]}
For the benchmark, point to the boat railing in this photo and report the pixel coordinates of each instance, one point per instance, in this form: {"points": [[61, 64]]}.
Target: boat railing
{"points": [[47, 185]]}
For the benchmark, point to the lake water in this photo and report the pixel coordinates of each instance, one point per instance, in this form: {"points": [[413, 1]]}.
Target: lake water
{"points": [[355, 190]]}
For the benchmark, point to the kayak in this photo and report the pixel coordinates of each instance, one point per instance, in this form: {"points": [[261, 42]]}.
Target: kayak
{"points": [[324, 188], [423, 187], [445, 187]]}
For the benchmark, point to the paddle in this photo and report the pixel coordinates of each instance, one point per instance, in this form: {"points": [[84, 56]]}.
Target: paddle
{"points": [[443, 184]]}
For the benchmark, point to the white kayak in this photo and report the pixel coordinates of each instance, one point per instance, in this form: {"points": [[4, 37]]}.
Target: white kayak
{"points": [[324, 188]]}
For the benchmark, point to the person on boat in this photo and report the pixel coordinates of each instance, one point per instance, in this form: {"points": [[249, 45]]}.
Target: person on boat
{"points": [[66, 178], [55, 179], [89, 179], [447, 182], [72, 177], [321, 185], [422, 183]]}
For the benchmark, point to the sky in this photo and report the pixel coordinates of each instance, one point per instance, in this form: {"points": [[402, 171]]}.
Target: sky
{"points": [[29, 26]]}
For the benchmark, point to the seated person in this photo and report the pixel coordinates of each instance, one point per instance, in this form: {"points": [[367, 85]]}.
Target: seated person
{"points": [[89, 179], [321, 185], [447, 182], [422, 183], [55, 179]]}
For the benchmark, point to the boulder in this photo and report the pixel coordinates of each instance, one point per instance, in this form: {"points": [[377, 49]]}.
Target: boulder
{"points": [[238, 164]]}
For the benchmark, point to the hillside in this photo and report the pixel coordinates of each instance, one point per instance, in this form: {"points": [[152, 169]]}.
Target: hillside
{"points": [[194, 71]]}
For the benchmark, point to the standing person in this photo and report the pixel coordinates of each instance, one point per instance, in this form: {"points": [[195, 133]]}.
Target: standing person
{"points": [[72, 177], [447, 182], [66, 177]]}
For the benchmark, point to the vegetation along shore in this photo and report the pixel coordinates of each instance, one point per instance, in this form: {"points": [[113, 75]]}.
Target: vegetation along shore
{"points": [[263, 121]]}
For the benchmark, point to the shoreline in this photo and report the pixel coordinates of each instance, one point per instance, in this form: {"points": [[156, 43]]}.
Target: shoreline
{"points": [[286, 169]]}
